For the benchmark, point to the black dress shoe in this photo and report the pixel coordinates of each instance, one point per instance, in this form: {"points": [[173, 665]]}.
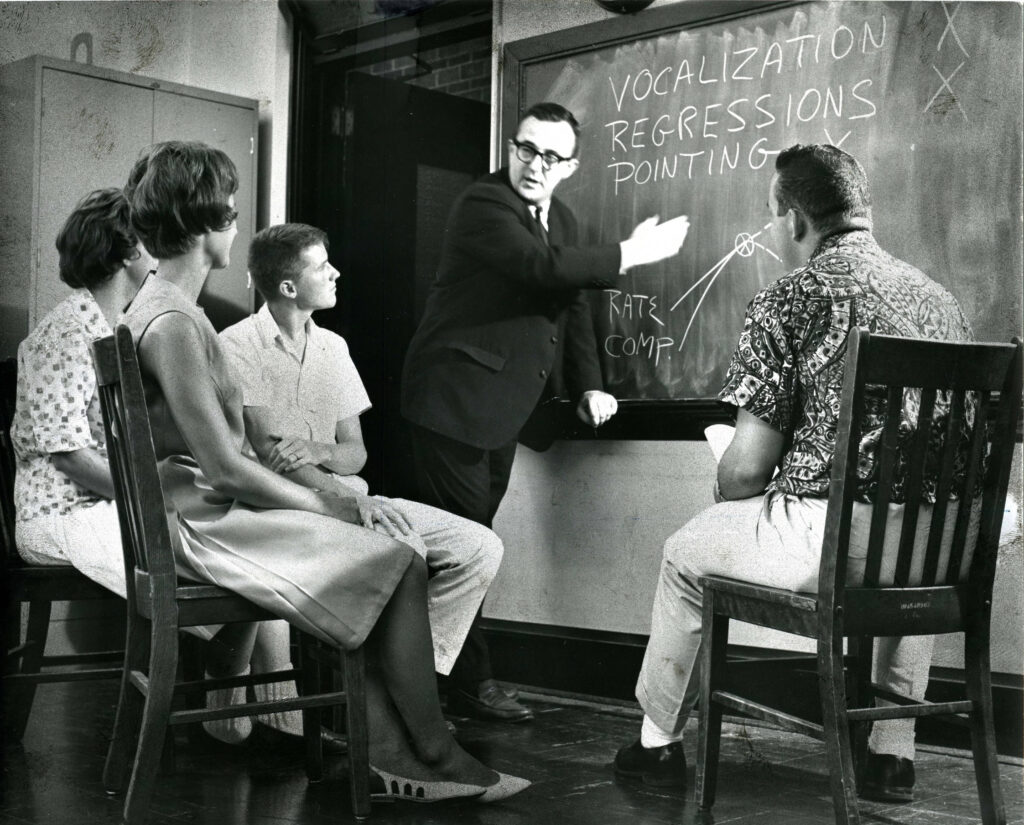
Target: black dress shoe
{"points": [[887, 778], [663, 767], [490, 703], [270, 738]]}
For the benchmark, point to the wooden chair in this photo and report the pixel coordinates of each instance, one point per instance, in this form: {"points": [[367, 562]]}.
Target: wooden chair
{"points": [[26, 663], [159, 604], [943, 601]]}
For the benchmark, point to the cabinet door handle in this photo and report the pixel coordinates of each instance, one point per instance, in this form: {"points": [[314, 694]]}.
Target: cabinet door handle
{"points": [[252, 145]]}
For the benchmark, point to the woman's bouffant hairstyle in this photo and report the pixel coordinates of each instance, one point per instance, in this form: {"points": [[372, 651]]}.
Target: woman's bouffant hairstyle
{"points": [[177, 191], [96, 239]]}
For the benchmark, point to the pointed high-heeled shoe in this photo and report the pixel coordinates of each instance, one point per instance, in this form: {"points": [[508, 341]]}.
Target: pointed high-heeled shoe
{"points": [[506, 786], [423, 790]]}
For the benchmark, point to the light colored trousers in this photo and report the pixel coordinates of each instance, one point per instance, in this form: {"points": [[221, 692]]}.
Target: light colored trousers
{"points": [[462, 560], [774, 541]]}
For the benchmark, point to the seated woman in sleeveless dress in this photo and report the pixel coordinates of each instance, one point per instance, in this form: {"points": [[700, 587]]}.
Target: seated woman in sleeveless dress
{"points": [[333, 565]]}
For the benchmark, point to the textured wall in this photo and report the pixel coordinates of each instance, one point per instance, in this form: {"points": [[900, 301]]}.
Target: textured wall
{"points": [[461, 69], [239, 47]]}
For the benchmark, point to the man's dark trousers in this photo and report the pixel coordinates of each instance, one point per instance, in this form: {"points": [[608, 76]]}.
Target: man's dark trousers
{"points": [[469, 482]]}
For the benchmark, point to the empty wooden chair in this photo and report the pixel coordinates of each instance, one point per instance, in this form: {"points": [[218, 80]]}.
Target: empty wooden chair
{"points": [[159, 604], [905, 596], [38, 586]]}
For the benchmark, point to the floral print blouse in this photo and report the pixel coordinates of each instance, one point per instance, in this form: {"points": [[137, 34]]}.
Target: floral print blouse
{"points": [[57, 409]]}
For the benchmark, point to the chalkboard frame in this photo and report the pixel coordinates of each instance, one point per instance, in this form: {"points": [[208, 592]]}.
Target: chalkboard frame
{"points": [[668, 420]]}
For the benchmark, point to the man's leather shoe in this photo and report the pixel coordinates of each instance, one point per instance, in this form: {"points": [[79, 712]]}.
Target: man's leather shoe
{"points": [[663, 767], [270, 738], [887, 778], [490, 703]]}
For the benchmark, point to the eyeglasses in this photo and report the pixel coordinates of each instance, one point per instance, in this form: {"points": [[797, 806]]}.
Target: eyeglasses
{"points": [[526, 152]]}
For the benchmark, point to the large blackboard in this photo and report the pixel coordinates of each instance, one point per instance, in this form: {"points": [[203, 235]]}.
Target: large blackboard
{"points": [[683, 108]]}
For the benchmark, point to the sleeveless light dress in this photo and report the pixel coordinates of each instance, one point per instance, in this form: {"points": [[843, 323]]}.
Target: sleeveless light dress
{"points": [[325, 576]]}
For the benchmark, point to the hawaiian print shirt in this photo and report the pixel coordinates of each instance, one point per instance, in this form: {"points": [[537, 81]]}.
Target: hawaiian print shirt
{"points": [[57, 408], [788, 366]]}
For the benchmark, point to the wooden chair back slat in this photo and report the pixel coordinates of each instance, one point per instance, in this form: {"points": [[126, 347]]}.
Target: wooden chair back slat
{"points": [[968, 377], [943, 487], [886, 457], [842, 485], [140, 501], [913, 490], [973, 469], [997, 478]]}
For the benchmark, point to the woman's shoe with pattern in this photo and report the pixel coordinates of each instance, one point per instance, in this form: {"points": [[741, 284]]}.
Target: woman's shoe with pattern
{"points": [[422, 790], [506, 786]]}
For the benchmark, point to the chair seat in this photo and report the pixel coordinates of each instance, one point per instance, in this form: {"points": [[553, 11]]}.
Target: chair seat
{"points": [[28, 582], [200, 603], [757, 604]]}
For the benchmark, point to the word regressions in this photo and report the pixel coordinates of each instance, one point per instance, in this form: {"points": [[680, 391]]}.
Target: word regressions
{"points": [[715, 112]]}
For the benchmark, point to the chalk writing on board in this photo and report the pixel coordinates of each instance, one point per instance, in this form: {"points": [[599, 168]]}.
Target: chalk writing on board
{"points": [[689, 121], [625, 306], [697, 140]]}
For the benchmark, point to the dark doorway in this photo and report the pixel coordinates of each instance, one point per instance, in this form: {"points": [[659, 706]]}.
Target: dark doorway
{"points": [[405, 155]]}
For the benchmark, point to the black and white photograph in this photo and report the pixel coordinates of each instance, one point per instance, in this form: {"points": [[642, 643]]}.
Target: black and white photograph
{"points": [[512, 412]]}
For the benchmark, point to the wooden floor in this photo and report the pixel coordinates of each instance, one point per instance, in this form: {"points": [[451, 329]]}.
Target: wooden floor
{"points": [[53, 777]]}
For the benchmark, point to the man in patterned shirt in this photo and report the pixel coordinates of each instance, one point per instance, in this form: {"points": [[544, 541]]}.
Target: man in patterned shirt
{"points": [[786, 377]]}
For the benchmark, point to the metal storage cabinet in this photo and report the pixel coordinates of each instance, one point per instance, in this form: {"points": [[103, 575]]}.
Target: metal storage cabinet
{"points": [[68, 128]]}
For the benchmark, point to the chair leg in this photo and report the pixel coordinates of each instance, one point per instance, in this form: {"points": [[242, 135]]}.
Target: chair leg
{"points": [[714, 644], [832, 688], [358, 732], [21, 696], [983, 737], [861, 649], [312, 674], [163, 665], [130, 701]]}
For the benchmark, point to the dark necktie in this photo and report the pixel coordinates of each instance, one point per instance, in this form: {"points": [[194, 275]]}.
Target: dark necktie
{"points": [[540, 223]]}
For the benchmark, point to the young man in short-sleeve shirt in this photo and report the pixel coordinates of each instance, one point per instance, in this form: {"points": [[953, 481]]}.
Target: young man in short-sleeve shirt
{"points": [[302, 399]]}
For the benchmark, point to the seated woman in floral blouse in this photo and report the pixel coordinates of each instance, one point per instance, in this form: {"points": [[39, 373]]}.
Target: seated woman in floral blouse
{"points": [[63, 492]]}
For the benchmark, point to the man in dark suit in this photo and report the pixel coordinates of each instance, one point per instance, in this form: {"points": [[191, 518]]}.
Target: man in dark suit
{"points": [[506, 324]]}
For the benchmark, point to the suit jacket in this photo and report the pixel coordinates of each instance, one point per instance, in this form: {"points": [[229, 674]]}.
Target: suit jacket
{"points": [[505, 319]]}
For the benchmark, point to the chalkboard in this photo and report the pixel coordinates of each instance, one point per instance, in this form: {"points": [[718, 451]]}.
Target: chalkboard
{"points": [[683, 109]]}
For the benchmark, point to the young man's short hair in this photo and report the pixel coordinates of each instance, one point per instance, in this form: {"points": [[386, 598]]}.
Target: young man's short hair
{"points": [[275, 254]]}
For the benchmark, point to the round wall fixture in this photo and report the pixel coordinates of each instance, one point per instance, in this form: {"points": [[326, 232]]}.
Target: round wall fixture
{"points": [[624, 6]]}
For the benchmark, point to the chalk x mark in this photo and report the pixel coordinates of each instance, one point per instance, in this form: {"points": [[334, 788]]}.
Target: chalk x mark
{"points": [[945, 85], [837, 143], [949, 28]]}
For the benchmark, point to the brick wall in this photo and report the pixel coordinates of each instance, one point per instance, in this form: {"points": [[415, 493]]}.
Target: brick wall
{"points": [[462, 69]]}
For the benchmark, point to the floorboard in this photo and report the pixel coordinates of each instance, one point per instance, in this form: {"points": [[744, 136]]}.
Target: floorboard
{"points": [[766, 778]]}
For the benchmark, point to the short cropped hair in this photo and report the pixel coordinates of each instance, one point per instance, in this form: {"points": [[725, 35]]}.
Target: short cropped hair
{"points": [[824, 182], [275, 254], [96, 239], [177, 191], [554, 113]]}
